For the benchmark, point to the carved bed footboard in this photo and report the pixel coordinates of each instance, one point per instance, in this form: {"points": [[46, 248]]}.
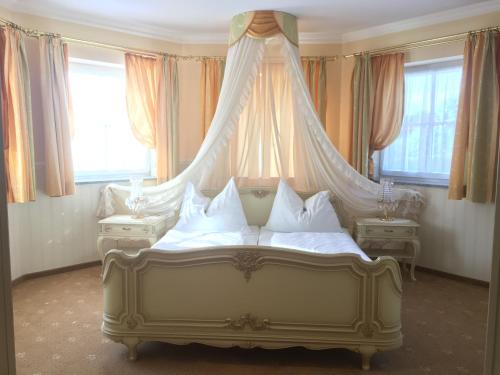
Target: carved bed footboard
{"points": [[252, 296]]}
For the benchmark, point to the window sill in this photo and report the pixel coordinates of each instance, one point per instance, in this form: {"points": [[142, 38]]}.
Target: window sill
{"points": [[423, 184], [418, 181], [99, 180]]}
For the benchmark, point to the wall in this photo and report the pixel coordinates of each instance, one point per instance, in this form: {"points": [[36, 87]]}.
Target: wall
{"points": [[420, 54], [50, 232], [56, 232], [456, 235]]}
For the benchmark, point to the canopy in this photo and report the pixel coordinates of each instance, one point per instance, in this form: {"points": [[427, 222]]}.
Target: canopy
{"points": [[265, 127]]}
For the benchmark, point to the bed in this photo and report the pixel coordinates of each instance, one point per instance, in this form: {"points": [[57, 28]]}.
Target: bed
{"points": [[256, 289]]}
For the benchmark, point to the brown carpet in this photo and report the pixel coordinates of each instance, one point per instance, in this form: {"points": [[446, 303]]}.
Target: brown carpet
{"points": [[57, 327]]}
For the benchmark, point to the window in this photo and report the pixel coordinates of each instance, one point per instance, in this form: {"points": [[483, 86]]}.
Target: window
{"points": [[422, 152], [103, 145]]}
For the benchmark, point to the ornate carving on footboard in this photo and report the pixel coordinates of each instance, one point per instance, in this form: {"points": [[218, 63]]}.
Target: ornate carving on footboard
{"points": [[131, 322], [367, 329], [247, 262], [249, 320]]}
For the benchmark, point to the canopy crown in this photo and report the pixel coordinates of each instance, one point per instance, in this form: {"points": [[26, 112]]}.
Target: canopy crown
{"points": [[262, 24]]}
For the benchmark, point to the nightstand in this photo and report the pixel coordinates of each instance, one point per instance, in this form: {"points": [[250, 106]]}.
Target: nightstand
{"points": [[126, 232], [397, 238]]}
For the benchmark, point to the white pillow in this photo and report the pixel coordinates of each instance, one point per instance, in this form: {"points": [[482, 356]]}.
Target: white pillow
{"points": [[291, 214], [222, 214]]}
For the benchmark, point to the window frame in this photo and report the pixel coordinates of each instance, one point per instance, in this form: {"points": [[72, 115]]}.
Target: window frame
{"points": [[424, 179], [89, 177]]}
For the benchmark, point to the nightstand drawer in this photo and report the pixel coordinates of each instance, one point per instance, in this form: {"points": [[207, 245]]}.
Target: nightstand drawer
{"points": [[387, 231], [125, 229]]}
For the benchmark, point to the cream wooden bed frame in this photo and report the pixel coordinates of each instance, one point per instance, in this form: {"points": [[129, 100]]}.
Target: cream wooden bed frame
{"points": [[253, 296]]}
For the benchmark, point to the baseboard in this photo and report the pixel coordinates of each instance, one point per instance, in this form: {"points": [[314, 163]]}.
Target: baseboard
{"points": [[75, 267], [454, 277], [54, 271]]}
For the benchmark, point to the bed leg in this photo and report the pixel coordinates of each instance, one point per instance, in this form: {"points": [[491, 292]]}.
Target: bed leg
{"points": [[131, 343], [366, 355]]}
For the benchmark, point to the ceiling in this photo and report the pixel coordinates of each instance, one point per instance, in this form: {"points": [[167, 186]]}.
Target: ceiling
{"points": [[207, 21]]}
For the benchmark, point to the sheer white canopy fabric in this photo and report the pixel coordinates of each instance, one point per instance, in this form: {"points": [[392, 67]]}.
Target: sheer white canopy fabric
{"points": [[265, 128]]}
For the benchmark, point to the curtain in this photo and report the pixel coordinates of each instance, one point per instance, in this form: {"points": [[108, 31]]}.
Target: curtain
{"points": [[167, 120], [57, 116], [378, 102], [475, 148], [261, 148], [152, 105], [362, 104], [17, 120], [258, 144], [142, 77], [315, 77], [212, 73]]}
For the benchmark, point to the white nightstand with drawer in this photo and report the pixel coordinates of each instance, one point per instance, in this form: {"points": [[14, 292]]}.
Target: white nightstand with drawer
{"points": [[126, 232], [397, 238]]}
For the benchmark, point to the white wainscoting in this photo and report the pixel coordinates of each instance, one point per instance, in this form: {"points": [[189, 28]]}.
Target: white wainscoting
{"points": [[456, 236], [54, 232]]}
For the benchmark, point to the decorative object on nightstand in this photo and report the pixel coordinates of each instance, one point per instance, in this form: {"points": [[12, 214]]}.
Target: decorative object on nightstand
{"points": [[135, 233], [136, 202], [397, 238], [386, 201]]}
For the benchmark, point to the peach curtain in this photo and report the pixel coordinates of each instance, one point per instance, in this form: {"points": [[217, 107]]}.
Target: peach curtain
{"points": [[57, 117], [212, 74], [152, 105], [17, 121], [378, 105], [315, 77], [143, 80], [475, 148]]}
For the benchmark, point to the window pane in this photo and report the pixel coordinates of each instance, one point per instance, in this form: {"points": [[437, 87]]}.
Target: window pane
{"points": [[424, 146], [103, 143]]}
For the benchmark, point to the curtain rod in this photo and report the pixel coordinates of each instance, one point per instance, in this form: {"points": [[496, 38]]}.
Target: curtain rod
{"points": [[148, 53], [423, 43]]}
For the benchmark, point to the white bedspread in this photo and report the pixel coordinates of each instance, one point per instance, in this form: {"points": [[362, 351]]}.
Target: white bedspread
{"points": [[179, 240], [324, 243]]}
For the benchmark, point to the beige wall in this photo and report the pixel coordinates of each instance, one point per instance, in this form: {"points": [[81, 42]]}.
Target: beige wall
{"points": [[190, 135], [62, 231], [456, 235], [420, 54], [57, 232]]}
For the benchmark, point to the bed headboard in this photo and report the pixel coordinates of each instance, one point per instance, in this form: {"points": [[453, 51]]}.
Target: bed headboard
{"points": [[257, 204]]}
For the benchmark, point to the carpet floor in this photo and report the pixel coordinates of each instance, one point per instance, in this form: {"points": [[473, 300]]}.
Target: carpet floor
{"points": [[57, 327]]}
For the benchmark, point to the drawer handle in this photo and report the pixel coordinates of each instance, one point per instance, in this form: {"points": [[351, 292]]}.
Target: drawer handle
{"points": [[389, 230], [107, 229], [126, 228]]}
